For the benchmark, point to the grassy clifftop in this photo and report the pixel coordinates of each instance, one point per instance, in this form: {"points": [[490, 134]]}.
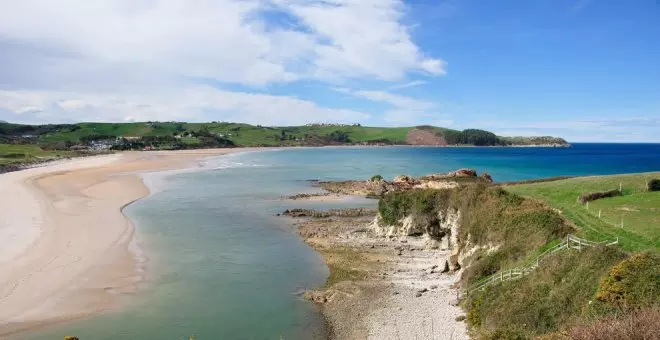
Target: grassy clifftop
{"points": [[633, 217]]}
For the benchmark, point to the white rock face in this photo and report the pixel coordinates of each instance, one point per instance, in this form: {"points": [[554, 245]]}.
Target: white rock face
{"points": [[443, 235], [436, 185]]}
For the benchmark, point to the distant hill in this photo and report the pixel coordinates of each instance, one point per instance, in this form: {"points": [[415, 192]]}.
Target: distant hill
{"points": [[179, 135]]}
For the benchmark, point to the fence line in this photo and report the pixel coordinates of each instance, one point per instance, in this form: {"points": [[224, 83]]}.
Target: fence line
{"points": [[570, 242]]}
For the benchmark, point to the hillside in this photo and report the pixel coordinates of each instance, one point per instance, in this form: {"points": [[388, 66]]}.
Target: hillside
{"points": [[491, 229], [178, 135]]}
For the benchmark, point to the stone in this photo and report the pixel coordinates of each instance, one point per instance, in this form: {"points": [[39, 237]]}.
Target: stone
{"points": [[418, 294], [460, 318], [466, 173], [423, 290], [434, 287], [445, 269]]}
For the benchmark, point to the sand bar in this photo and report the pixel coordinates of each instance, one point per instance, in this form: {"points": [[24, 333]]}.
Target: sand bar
{"points": [[64, 243]]}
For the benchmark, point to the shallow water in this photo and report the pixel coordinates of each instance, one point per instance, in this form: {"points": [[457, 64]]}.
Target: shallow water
{"points": [[222, 266]]}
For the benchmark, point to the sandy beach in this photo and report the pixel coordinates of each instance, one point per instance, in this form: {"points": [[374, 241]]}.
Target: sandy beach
{"points": [[64, 242]]}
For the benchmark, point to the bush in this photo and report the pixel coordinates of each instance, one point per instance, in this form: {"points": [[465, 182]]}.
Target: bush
{"points": [[638, 325], [376, 178], [339, 137], [654, 185], [584, 198], [546, 300], [632, 283]]}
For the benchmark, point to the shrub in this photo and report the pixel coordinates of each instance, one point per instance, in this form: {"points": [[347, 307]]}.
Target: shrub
{"points": [[654, 185], [632, 283], [376, 178], [546, 300], [638, 325], [486, 177], [584, 198]]}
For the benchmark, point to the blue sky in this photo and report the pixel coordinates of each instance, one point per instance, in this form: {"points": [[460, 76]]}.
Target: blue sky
{"points": [[587, 70]]}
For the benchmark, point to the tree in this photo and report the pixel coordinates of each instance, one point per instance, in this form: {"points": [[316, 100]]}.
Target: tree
{"points": [[339, 136]]}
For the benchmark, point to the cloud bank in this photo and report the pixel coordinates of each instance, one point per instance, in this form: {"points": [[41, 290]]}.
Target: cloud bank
{"points": [[113, 60]]}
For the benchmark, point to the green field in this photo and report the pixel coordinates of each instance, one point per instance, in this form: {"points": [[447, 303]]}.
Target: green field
{"points": [[634, 217], [15, 154], [241, 134], [247, 135]]}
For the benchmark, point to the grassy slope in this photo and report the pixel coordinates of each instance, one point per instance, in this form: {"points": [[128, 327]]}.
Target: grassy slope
{"points": [[10, 154], [639, 209], [241, 134], [558, 294]]}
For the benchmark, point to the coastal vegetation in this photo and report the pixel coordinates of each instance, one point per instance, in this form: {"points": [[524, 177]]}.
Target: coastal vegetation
{"points": [[181, 135], [576, 288], [502, 227], [654, 185], [15, 156]]}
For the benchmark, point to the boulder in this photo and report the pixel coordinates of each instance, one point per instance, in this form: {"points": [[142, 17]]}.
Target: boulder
{"points": [[403, 179], [318, 296], [466, 173]]}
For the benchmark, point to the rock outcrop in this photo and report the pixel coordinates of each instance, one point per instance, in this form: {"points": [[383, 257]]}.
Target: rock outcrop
{"points": [[443, 233], [404, 183]]}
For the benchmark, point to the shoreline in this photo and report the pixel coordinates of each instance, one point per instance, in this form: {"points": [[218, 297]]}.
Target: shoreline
{"points": [[381, 287], [70, 253]]}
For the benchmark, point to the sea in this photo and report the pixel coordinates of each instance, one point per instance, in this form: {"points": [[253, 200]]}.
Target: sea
{"points": [[219, 263]]}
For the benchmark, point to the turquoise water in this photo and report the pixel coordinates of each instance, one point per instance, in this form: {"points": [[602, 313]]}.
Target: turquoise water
{"points": [[221, 265]]}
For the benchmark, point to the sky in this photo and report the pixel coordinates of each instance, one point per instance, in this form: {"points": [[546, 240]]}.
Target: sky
{"points": [[585, 70]]}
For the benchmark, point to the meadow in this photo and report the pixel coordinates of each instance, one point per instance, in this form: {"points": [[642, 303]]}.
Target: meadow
{"points": [[633, 218], [25, 153]]}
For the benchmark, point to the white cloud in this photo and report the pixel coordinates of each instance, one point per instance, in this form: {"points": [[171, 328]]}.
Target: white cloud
{"points": [[361, 38], [407, 85], [404, 110], [133, 60], [200, 103], [398, 101], [235, 41]]}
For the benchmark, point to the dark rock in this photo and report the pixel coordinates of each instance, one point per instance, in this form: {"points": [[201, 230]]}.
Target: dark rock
{"points": [[445, 269], [434, 287], [460, 318], [418, 294]]}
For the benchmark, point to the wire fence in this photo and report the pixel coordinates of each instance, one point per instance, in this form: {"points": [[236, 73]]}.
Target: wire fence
{"points": [[570, 242]]}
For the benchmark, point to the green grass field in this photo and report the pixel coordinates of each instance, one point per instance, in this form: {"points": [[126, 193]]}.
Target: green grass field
{"points": [[634, 217], [240, 134], [10, 154]]}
